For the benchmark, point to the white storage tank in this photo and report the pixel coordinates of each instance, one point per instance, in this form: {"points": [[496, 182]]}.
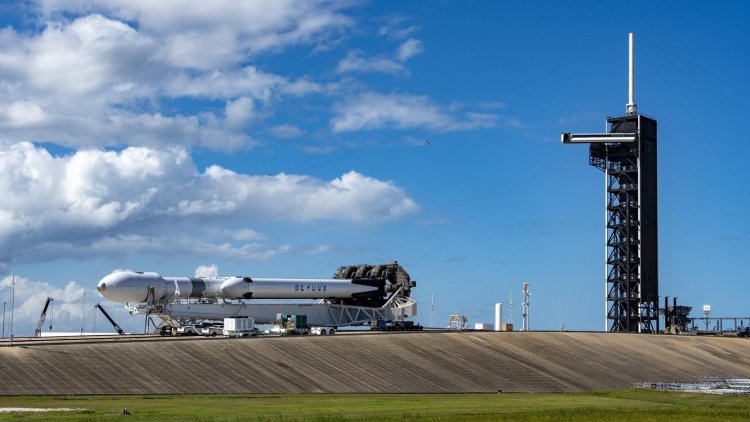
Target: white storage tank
{"points": [[498, 316]]}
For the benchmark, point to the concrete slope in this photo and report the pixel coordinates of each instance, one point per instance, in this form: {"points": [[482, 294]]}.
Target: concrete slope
{"points": [[370, 363]]}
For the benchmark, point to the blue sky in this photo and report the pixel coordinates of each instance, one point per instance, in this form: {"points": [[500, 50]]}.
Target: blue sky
{"points": [[289, 139]]}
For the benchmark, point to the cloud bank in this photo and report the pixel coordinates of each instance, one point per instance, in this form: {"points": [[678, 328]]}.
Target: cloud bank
{"points": [[97, 72], [66, 204]]}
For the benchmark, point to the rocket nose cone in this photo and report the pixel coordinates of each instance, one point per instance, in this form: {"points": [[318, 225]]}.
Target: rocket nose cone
{"points": [[130, 286], [112, 285]]}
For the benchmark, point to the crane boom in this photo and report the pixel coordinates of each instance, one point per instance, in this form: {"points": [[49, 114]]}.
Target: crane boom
{"points": [[111, 321], [42, 317]]}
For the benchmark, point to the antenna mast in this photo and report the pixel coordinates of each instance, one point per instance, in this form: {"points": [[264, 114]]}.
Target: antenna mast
{"points": [[631, 108], [510, 307], [525, 326], [432, 312]]}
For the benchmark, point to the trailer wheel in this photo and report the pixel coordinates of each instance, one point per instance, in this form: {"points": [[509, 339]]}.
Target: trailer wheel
{"points": [[323, 333], [331, 332]]}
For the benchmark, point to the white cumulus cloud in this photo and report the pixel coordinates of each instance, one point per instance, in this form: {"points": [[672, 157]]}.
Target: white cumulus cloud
{"points": [[372, 110], [71, 309], [239, 112], [286, 131], [355, 61], [96, 73], [396, 28], [66, 206], [204, 35], [207, 271], [409, 49]]}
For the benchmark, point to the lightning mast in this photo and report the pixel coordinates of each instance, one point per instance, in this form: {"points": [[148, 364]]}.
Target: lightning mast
{"points": [[510, 308], [526, 295], [432, 311]]}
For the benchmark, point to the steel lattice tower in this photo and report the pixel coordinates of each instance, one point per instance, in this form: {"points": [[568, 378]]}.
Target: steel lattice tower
{"points": [[627, 155], [631, 224]]}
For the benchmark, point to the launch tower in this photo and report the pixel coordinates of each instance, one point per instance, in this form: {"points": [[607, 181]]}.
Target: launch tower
{"points": [[627, 156]]}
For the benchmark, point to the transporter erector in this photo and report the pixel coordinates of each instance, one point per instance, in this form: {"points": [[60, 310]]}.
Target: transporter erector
{"points": [[355, 296]]}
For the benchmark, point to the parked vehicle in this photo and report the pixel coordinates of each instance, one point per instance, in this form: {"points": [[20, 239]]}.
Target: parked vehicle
{"points": [[167, 330], [293, 324], [188, 330], [380, 325], [213, 330], [323, 331]]}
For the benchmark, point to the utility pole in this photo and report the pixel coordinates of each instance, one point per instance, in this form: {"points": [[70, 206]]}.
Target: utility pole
{"points": [[432, 312], [562, 323], [3, 320], [12, 302], [83, 311]]}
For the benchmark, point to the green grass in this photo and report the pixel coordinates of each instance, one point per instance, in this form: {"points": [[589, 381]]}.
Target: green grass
{"points": [[610, 406]]}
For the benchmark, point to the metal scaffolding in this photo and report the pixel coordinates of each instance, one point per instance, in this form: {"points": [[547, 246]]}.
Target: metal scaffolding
{"points": [[631, 262], [708, 385]]}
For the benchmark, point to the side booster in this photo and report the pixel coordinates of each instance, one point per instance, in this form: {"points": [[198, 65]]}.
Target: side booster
{"points": [[129, 286]]}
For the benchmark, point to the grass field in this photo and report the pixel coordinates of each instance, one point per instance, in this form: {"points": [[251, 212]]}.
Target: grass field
{"points": [[613, 405]]}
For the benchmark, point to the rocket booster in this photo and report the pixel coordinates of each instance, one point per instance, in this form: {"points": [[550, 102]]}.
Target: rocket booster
{"points": [[129, 286]]}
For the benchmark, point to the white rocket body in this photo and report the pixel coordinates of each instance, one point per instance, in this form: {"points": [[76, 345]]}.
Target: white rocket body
{"points": [[129, 286]]}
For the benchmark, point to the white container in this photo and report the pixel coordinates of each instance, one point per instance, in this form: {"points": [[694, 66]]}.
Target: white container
{"points": [[238, 326], [483, 326]]}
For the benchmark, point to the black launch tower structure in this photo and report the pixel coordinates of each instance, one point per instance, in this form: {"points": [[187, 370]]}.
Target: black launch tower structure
{"points": [[627, 156]]}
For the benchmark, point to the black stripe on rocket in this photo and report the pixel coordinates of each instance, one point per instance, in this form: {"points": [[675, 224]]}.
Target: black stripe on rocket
{"points": [[199, 286], [248, 295]]}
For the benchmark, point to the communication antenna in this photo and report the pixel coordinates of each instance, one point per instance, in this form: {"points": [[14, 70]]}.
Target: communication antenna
{"points": [[525, 307], [707, 312]]}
